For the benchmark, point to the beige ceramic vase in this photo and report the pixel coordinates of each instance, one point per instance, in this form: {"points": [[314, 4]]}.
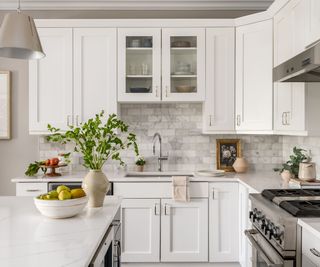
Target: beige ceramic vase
{"points": [[240, 165], [140, 168], [286, 176], [96, 185]]}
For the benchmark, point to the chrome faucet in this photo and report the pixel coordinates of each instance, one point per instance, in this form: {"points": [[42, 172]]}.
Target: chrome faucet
{"points": [[161, 157]]}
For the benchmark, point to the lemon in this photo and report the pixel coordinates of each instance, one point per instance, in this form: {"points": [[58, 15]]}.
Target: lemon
{"points": [[77, 193], [53, 194], [61, 188], [64, 194]]}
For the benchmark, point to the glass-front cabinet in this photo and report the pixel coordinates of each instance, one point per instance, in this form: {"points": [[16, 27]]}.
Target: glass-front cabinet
{"points": [[183, 64], [161, 64], [139, 65]]}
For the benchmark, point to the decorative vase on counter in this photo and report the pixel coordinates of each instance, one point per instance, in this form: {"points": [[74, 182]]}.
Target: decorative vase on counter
{"points": [[140, 168], [307, 171], [286, 176], [96, 185], [240, 165]]}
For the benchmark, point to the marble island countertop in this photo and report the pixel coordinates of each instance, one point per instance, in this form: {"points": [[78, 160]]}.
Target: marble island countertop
{"points": [[256, 181], [311, 224], [29, 239]]}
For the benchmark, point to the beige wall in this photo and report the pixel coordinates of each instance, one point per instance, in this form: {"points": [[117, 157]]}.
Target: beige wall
{"points": [[22, 149], [16, 153]]}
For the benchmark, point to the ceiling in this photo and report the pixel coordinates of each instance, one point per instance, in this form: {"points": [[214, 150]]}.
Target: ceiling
{"points": [[137, 4]]}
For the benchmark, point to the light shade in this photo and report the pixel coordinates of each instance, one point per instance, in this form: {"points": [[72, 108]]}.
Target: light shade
{"points": [[19, 37]]}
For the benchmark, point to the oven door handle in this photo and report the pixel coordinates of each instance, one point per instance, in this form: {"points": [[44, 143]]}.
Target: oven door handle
{"points": [[249, 234]]}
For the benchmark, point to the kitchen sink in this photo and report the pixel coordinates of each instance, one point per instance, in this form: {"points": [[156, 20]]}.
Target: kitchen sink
{"points": [[156, 174]]}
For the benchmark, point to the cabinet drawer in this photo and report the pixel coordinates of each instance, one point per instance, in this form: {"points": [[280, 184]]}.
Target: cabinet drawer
{"points": [[311, 247], [156, 190], [31, 189]]}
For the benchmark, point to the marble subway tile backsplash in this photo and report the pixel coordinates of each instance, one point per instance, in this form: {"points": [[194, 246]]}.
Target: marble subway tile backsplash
{"points": [[188, 149]]}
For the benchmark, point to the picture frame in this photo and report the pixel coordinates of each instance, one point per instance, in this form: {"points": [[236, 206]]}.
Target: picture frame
{"points": [[226, 153], [5, 104]]}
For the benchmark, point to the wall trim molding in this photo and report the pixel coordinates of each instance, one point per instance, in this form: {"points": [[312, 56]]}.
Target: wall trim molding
{"points": [[137, 5]]}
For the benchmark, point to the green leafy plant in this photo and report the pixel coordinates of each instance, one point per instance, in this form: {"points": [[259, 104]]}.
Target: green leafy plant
{"points": [[140, 161], [292, 165], [34, 167], [97, 141]]}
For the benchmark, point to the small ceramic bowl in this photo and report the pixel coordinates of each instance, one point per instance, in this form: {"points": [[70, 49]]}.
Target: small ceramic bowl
{"points": [[185, 88], [60, 209]]}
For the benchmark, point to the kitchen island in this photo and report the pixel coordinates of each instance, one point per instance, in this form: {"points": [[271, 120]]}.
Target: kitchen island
{"points": [[29, 239]]}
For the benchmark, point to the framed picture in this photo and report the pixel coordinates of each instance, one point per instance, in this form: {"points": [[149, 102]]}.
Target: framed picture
{"points": [[227, 152], [5, 88]]}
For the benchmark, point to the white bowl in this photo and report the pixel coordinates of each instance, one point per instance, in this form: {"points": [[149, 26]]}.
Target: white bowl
{"points": [[59, 209]]}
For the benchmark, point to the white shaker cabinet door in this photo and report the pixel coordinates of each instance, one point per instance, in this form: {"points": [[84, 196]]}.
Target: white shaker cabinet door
{"points": [[184, 231], [223, 222], [254, 84], [140, 219], [95, 72], [313, 23], [139, 64], [218, 108], [183, 64], [50, 82]]}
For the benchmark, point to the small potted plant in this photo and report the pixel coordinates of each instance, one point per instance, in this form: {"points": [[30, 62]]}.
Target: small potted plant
{"points": [[140, 162], [98, 142], [290, 169]]}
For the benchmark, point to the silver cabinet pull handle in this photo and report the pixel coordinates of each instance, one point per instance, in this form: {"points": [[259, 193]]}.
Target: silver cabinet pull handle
{"points": [[166, 209], [238, 120], [315, 252], [166, 91], [157, 91], [283, 123], [156, 209], [33, 190], [210, 120], [68, 120], [288, 118], [77, 120]]}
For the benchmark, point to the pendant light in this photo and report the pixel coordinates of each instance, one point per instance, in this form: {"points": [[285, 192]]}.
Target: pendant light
{"points": [[19, 37]]}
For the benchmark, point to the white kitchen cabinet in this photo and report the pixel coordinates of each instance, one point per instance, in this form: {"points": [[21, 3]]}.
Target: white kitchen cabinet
{"points": [[184, 231], [310, 249], [95, 72], [218, 108], [140, 220], [31, 189], [254, 85], [139, 64], [50, 82], [183, 64], [223, 222], [76, 79], [294, 103], [313, 21]]}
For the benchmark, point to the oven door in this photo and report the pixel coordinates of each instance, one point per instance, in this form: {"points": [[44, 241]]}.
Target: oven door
{"points": [[263, 254]]}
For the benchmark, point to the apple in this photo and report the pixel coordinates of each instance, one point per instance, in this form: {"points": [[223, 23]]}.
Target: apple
{"points": [[54, 161]]}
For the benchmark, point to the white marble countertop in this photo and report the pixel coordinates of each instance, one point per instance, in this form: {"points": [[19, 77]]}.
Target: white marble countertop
{"points": [[29, 239], [311, 224], [256, 181]]}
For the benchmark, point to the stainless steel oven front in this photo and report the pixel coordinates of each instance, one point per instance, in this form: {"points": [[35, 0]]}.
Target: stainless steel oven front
{"points": [[263, 253]]}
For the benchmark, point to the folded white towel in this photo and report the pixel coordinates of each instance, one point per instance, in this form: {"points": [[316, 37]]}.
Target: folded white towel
{"points": [[180, 188]]}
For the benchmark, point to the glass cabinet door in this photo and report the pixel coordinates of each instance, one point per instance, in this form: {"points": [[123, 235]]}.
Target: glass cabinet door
{"points": [[139, 59], [183, 64]]}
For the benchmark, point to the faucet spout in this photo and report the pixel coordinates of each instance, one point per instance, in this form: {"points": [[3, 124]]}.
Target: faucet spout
{"points": [[156, 137]]}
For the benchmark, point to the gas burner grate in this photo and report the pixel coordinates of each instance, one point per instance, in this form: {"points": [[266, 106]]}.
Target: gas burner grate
{"points": [[300, 208], [272, 193]]}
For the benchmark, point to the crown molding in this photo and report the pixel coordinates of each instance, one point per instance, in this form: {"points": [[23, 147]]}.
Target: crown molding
{"points": [[137, 5]]}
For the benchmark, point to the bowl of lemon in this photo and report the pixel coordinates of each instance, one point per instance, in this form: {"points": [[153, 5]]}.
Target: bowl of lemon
{"points": [[62, 202]]}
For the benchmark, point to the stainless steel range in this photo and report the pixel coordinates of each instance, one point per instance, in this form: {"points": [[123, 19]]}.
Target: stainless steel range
{"points": [[275, 235]]}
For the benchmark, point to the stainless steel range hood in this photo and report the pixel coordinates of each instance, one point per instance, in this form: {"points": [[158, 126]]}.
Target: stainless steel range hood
{"points": [[304, 67]]}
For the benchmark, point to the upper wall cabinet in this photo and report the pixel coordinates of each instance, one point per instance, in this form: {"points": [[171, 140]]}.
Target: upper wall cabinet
{"points": [[140, 57], [254, 86], [183, 64], [218, 108], [94, 72], [50, 82], [139, 65], [313, 21], [76, 79]]}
